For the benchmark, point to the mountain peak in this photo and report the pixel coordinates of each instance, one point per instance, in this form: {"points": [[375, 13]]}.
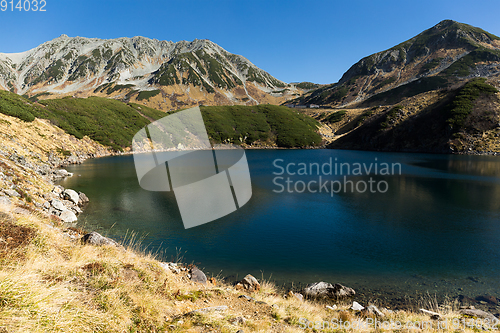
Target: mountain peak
{"points": [[448, 52], [135, 69]]}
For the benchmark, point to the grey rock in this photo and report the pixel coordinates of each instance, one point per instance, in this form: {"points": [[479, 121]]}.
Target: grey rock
{"points": [[19, 210], [248, 298], [68, 216], [53, 211], [170, 266], [432, 314], [12, 193], [62, 173], [480, 314], [209, 309], [58, 189], [327, 290], [248, 283], [198, 276], [76, 210], [83, 198], [373, 310], [71, 195], [46, 205], [57, 204], [298, 296], [94, 238], [4, 200], [357, 307]]}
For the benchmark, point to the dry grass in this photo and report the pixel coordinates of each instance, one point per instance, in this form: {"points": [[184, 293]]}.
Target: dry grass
{"points": [[55, 284]]}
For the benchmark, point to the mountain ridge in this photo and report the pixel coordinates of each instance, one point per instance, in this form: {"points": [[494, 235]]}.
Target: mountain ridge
{"points": [[450, 50], [182, 73]]}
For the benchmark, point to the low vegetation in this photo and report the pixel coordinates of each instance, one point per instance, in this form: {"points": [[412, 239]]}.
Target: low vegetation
{"points": [[50, 282], [114, 123], [147, 94], [463, 104], [262, 123], [335, 117]]}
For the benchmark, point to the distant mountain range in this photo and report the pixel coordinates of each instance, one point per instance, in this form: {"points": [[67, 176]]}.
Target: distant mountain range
{"points": [[161, 74], [439, 57]]}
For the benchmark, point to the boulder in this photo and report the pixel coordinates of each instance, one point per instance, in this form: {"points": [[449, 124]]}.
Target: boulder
{"points": [[68, 216], [357, 307], [249, 283], [248, 298], [4, 200], [76, 210], [19, 210], [327, 290], [170, 266], [209, 309], [62, 173], [83, 198], [71, 195], [480, 314], [94, 238], [373, 310], [57, 204], [432, 314], [488, 299], [12, 193], [198, 276], [58, 189], [297, 296]]}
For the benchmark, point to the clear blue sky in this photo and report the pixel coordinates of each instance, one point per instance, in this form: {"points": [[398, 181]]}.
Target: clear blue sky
{"points": [[293, 40]]}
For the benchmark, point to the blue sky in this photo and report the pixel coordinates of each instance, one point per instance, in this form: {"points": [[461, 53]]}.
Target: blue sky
{"points": [[293, 40]]}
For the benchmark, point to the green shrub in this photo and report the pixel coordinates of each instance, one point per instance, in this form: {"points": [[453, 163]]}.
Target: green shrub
{"points": [[335, 117], [463, 104], [16, 106], [248, 124], [147, 94]]}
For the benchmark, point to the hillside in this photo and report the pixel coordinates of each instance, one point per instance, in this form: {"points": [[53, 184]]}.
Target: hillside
{"points": [[462, 120], [113, 123], [161, 74], [439, 57]]}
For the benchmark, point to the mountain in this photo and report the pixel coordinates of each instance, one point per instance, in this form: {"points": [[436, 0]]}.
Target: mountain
{"points": [[439, 57], [161, 74]]}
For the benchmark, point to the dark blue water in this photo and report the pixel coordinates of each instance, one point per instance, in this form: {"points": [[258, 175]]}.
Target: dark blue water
{"points": [[435, 228]]}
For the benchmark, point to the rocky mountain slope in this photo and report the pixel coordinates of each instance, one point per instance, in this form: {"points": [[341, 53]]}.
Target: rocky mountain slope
{"points": [[161, 74], [464, 119], [439, 57]]}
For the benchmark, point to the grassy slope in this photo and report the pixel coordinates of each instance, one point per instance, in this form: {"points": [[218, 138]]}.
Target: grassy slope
{"points": [[247, 124], [114, 123], [51, 283]]}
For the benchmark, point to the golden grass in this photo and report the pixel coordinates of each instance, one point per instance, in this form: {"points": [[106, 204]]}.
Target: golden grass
{"points": [[59, 285]]}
